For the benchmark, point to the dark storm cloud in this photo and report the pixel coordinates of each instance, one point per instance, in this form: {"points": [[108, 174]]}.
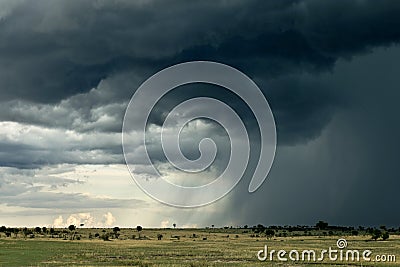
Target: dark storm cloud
{"points": [[351, 169], [54, 53], [51, 50], [68, 69], [303, 105]]}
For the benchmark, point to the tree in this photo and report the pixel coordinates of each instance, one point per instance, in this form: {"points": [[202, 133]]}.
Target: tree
{"points": [[3, 229], [385, 236], [269, 233], [16, 231], [376, 234], [72, 229], [174, 225], [52, 232], [38, 229], [139, 229], [25, 232], [44, 229], [321, 225], [159, 236], [260, 227], [116, 230]]}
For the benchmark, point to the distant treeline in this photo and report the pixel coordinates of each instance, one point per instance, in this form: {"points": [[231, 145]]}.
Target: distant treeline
{"points": [[321, 228]]}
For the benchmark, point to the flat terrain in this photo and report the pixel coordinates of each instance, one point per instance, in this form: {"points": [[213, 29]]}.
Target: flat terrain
{"points": [[179, 247]]}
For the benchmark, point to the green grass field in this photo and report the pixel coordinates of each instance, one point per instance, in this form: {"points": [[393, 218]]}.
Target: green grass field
{"points": [[178, 247]]}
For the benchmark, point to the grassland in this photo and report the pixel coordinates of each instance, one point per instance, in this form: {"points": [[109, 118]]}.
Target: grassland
{"points": [[178, 247]]}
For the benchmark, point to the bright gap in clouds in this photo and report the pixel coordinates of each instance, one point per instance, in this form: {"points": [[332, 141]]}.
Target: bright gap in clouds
{"points": [[95, 195]]}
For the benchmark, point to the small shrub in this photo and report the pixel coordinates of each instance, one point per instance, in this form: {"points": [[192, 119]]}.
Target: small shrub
{"points": [[176, 236], [105, 237], [385, 236]]}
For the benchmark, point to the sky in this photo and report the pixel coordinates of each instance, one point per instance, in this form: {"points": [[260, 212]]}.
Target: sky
{"points": [[329, 70]]}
